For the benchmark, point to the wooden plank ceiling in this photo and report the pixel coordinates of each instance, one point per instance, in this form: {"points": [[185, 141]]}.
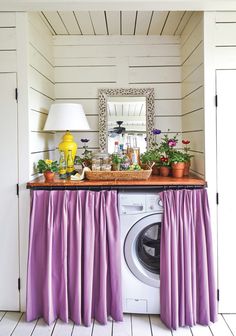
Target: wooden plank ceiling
{"points": [[116, 22]]}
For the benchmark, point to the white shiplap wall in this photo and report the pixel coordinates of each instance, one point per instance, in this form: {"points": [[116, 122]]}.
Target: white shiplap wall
{"points": [[193, 89], [41, 89], [85, 64], [7, 42]]}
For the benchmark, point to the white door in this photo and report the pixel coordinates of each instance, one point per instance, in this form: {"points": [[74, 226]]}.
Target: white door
{"points": [[226, 163], [9, 256]]}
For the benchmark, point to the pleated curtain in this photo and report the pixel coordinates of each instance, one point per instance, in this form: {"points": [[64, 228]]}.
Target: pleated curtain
{"points": [[74, 269], [187, 283]]}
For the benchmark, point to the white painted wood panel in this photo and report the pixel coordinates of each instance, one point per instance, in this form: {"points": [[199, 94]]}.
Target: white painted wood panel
{"points": [[113, 22], [86, 61], [40, 83], [200, 330], [102, 330], [225, 58], [198, 164], [196, 139], [220, 328], [186, 331], [172, 22], [225, 34], [82, 331], [158, 20], [154, 61], [9, 294], [141, 325], [24, 328], [226, 81], [37, 120], [41, 141], [194, 101], [70, 22], [225, 17], [194, 81], [90, 105], [193, 121], [116, 51], [38, 21], [41, 42], [38, 62], [142, 22], [8, 61], [8, 39], [173, 124], [42, 329], [99, 23], [7, 19], [39, 102], [194, 40], [230, 319], [2, 313], [63, 329], [85, 23], [123, 328], [56, 22], [85, 74], [193, 61], [115, 40], [158, 327], [128, 22], [183, 23], [90, 90], [155, 74], [191, 25], [168, 107], [8, 323]]}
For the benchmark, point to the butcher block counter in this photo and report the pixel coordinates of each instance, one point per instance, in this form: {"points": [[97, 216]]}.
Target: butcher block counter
{"points": [[152, 182]]}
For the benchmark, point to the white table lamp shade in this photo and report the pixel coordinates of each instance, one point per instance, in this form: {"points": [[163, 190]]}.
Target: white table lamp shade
{"points": [[66, 116]]}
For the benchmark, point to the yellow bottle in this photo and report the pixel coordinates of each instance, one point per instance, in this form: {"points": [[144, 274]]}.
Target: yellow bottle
{"points": [[70, 162]]}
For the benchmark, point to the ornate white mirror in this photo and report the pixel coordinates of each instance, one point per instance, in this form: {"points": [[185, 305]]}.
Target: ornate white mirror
{"points": [[126, 116]]}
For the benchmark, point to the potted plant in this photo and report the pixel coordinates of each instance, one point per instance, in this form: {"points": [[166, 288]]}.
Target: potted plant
{"points": [[116, 161], [86, 157], [187, 156], [177, 159], [48, 168], [164, 166], [151, 159]]}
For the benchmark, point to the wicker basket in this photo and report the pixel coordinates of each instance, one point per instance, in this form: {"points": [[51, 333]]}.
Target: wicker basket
{"points": [[118, 175]]}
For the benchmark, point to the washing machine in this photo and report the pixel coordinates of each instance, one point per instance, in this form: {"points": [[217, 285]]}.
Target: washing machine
{"points": [[140, 221]]}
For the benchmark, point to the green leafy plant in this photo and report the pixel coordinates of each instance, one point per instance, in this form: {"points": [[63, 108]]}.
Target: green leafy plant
{"points": [[116, 159], [47, 165], [150, 157], [186, 150], [164, 161], [177, 156]]}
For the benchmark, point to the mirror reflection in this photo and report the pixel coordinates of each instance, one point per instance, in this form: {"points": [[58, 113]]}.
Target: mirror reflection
{"points": [[126, 123], [126, 117]]}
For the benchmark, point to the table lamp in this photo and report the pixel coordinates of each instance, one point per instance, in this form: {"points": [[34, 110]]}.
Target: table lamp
{"points": [[67, 117]]}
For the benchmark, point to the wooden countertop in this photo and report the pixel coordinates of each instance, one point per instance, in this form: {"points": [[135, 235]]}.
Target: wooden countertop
{"points": [[152, 182]]}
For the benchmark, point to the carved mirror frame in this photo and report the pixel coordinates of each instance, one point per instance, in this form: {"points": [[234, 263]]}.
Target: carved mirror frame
{"points": [[103, 95]]}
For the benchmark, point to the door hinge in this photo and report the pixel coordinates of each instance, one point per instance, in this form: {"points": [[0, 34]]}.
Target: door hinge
{"points": [[217, 198], [16, 94], [218, 295], [17, 189], [216, 100], [19, 284]]}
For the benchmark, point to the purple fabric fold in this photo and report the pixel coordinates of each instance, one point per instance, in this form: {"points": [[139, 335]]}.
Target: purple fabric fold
{"points": [[74, 269], [187, 283]]}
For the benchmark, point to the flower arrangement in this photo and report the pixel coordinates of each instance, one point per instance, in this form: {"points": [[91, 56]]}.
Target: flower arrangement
{"points": [[86, 157], [47, 165]]}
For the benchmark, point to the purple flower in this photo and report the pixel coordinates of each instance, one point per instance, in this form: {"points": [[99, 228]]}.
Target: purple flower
{"points": [[172, 143], [84, 140], [156, 131], [145, 138]]}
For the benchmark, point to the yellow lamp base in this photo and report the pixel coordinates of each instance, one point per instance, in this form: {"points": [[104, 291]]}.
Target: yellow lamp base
{"points": [[67, 145]]}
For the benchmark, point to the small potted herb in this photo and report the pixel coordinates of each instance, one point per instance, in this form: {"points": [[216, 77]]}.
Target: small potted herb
{"points": [[177, 159], [48, 168]]}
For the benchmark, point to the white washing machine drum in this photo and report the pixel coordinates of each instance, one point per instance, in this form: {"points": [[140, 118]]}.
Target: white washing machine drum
{"points": [[142, 249]]}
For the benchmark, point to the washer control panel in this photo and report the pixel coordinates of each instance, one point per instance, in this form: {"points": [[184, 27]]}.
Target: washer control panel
{"points": [[139, 202]]}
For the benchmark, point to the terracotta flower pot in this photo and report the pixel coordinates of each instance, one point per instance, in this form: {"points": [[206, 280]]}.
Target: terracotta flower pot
{"points": [[155, 170], [186, 168], [178, 169], [49, 176], [164, 171]]}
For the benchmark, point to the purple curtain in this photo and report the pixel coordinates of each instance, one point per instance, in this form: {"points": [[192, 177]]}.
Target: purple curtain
{"points": [[74, 257], [187, 292]]}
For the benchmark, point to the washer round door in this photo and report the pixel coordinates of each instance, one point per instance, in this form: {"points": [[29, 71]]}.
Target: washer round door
{"points": [[142, 249]]}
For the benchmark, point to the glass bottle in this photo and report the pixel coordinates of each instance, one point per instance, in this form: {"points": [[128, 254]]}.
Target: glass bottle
{"points": [[70, 162], [62, 165], [136, 152]]}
